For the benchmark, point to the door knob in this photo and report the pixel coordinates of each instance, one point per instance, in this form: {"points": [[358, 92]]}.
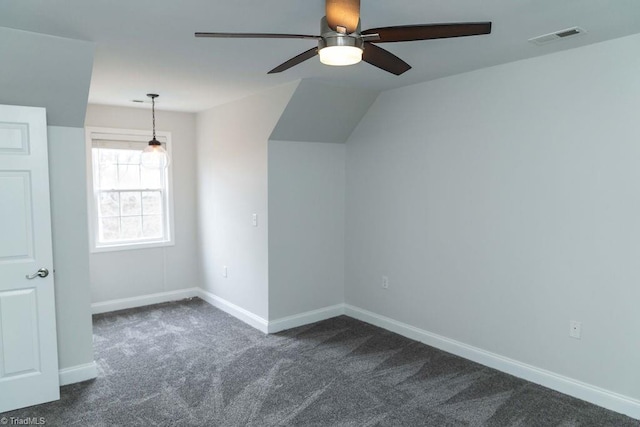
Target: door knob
{"points": [[43, 272]]}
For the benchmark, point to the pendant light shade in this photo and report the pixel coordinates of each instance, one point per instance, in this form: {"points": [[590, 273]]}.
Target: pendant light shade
{"points": [[154, 156]]}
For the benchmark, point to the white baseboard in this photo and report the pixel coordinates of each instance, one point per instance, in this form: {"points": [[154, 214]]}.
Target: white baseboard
{"points": [[124, 303], [270, 327], [305, 318], [596, 395], [77, 374], [245, 315]]}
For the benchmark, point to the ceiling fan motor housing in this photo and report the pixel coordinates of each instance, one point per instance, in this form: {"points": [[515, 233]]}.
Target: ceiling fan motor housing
{"points": [[331, 38]]}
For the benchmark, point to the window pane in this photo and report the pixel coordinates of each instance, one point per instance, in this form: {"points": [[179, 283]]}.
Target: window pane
{"points": [[107, 176], [130, 203], [151, 203], [107, 156], [109, 204], [128, 176], [152, 226], [151, 178], [131, 227], [106, 169], [129, 157], [109, 229]]}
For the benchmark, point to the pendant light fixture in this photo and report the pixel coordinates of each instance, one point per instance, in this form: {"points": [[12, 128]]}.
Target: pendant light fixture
{"points": [[154, 156]]}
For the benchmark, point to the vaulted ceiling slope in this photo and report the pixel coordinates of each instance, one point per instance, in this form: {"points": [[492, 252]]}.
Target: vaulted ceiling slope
{"points": [[149, 45], [319, 112], [43, 71]]}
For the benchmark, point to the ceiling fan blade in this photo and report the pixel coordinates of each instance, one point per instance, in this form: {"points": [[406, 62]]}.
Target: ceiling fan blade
{"points": [[256, 36], [343, 13], [407, 33], [384, 59], [295, 60]]}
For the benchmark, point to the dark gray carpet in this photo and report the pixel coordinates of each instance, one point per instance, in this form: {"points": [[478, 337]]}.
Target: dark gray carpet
{"points": [[187, 363]]}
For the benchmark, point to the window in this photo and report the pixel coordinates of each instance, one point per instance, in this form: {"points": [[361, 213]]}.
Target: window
{"points": [[130, 205]]}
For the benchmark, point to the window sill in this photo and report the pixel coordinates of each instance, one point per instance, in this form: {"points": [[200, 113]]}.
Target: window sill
{"points": [[131, 246]]}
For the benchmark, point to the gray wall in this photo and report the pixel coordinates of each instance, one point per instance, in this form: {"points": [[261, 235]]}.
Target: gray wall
{"points": [[67, 180], [232, 186], [129, 273], [36, 70], [306, 226], [503, 203]]}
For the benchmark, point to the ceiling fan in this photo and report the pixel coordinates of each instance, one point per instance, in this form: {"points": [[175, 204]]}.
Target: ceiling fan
{"points": [[341, 42]]}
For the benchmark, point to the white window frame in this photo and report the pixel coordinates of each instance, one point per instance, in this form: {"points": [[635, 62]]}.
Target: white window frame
{"points": [[100, 133]]}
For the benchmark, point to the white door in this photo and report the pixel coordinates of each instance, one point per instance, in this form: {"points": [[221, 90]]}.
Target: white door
{"points": [[28, 347]]}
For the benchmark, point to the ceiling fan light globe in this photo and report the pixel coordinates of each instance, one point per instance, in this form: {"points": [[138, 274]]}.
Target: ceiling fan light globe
{"points": [[340, 55]]}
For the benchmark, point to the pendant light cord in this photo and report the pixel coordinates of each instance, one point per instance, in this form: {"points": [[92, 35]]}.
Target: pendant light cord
{"points": [[153, 116], [153, 97]]}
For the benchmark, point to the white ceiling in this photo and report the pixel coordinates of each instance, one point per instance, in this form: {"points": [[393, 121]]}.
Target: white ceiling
{"points": [[148, 45]]}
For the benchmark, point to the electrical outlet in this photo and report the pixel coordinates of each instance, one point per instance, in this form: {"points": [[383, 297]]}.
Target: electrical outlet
{"points": [[224, 271], [385, 282], [575, 329]]}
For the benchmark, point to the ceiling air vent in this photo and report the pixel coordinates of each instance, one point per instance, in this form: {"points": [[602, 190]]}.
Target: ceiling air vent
{"points": [[558, 35]]}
